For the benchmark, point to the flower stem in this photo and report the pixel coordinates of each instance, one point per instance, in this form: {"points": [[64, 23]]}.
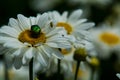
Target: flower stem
{"points": [[6, 69], [31, 70], [92, 74], [58, 69], [77, 69]]}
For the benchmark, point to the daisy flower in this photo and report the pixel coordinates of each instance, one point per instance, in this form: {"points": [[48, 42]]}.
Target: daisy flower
{"points": [[32, 37], [106, 39], [93, 2], [118, 75], [76, 28]]}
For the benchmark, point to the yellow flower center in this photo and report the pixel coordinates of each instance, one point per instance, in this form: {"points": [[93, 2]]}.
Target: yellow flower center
{"points": [[109, 38], [67, 26], [26, 36], [94, 62], [67, 51], [80, 54]]}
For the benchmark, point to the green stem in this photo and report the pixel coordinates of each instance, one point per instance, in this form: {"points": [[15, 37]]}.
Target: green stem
{"points": [[92, 74], [58, 69], [6, 69], [77, 69], [31, 70]]}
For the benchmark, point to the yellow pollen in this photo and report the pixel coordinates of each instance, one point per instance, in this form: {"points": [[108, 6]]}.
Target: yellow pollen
{"points": [[66, 51], [67, 26], [26, 36], [109, 38], [94, 62]]}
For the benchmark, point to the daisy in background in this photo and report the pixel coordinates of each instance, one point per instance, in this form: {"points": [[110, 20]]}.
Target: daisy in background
{"points": [[21, 74], [118, 75], [101, 3], [76, 28], [114, 18], [106, 40], [94, 64], [32, 37], [77, 34], [44, 5]]}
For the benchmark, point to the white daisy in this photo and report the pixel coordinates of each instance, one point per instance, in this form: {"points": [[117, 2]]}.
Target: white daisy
{"points": [[32, 37], [90, 2], [106, 39], [75, 27], [118, 75]]}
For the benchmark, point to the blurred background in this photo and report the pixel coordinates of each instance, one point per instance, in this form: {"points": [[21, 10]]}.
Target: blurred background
{"points": [[98, 11], [95, 10]]}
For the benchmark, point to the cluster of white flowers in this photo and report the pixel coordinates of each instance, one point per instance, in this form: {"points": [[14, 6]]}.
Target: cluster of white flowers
{"points": [[52, 36], [45, 38]]}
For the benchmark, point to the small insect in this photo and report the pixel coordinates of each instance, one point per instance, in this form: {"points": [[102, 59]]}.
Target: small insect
{"points": [[51, 24], [35, 29]]}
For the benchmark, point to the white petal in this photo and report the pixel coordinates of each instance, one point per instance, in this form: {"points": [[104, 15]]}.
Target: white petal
{"points": [[41, 57], [43, 20], [7, 39], [17, 52], [64, 15], [23, 22], [118, 75], [20, 52], [9, 31], [37, 18], [14, 23], [52, 45], [57, 53], [8, 51], [45, 49], [55, 31], [70, 38], [12, 44], [64, 44], [56, 15], [59, 43], [75, 15], [33, 21], [55, 38], [84, 26], [27, 56], [79, 22]]}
